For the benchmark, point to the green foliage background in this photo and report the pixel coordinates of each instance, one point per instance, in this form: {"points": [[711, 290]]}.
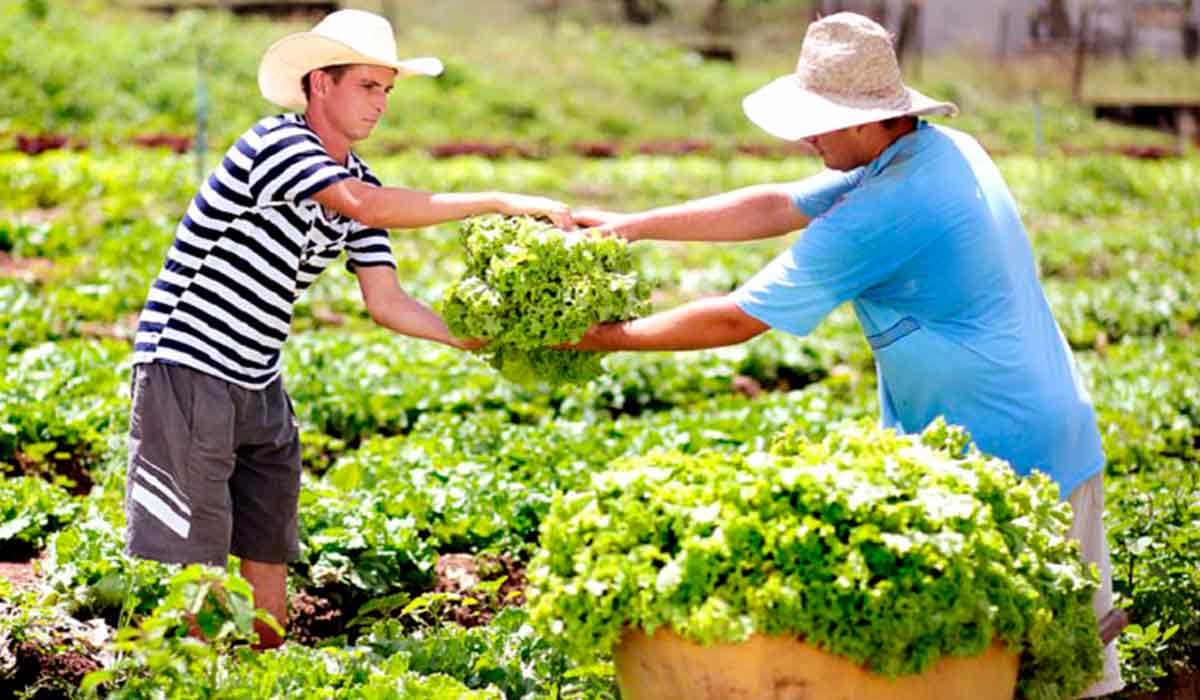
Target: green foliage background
{"points": [[413, 451]]}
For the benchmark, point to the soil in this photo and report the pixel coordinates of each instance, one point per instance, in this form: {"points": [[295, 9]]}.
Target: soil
{"points": [[174, 142], [41, 216], [746, 386], [459, 574], [327, 316], [502, 149], [679, 147], [1182, 685], [56, 673], [39, 143], [596, 149], [21, 574], [790, 378], [33, 144], [124, 328], [24, 269], [17, 562], [73, 467], [49, 660], [313, 617]]}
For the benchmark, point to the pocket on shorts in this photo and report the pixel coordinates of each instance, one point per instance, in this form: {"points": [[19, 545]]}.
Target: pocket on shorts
{"points": [[210, 448], [292, 411]]}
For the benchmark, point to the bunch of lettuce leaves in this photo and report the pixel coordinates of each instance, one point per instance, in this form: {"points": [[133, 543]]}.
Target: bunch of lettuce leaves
{"points": [[893, 551], [529, 286]]}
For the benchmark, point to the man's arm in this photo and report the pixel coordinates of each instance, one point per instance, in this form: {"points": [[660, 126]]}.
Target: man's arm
{"points": [[751, 213], [391, 308], [397, 207], [704, 323]]}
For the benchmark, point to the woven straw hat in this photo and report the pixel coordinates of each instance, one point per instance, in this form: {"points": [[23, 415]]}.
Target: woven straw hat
{"points": [[847, 75], [343, 37]]}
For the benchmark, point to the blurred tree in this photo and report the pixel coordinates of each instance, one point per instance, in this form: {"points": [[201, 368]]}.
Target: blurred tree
{"points": [[908, 39], [1050, 22], [644, 11], [717, 20], [1191, 31], [1059, 20]]}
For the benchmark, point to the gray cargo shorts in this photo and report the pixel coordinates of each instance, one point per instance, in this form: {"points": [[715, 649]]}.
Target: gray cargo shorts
{"points": [[214, 469]]}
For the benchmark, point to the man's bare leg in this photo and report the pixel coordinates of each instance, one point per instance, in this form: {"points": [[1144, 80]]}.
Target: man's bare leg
{"points": [[270, 593]]}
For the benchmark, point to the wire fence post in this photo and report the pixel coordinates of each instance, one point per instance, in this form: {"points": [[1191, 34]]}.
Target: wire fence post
{"points": [[1038, 139], [200, 146]]}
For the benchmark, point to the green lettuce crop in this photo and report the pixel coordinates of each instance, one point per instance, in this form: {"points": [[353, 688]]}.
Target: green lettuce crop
{"points": [[529, 286], [892, 551]]}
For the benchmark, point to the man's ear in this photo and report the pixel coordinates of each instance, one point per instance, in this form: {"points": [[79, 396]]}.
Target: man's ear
{"points": [[318, 82]]}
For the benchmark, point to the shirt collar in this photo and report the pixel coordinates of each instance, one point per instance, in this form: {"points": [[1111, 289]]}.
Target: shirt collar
{"points": [[353, 162], [898, 146]]}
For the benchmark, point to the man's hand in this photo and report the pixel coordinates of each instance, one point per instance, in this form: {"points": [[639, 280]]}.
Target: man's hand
{"points": [[468, 344], [525, 205], [591, 339], [604, 223], [596, 217], [704, 323]]}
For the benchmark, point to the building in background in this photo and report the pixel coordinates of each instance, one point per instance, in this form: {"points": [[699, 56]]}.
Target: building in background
{"points": [[1159, 27]]}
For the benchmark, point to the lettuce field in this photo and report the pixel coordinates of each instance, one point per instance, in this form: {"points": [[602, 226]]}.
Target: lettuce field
{"points": [[442, 496], [428, 475]]}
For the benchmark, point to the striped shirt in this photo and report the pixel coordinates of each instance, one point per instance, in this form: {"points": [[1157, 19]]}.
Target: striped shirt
{"points": [[251, 242]]}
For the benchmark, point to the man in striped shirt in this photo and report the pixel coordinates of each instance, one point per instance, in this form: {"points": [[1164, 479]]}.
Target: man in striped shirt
{"points": [[214, 459]]}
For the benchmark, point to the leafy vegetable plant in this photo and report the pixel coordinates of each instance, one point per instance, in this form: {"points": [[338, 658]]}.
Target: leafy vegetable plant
{"points": [[893, 551], [529, 286], [30, 509]]}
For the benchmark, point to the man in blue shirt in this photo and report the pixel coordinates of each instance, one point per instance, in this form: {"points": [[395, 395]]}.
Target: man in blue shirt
{"points": [[914, 225]]}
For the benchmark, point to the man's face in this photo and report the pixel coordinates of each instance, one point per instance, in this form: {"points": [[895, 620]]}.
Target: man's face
{"points": [[841, 149], [355, 104]]}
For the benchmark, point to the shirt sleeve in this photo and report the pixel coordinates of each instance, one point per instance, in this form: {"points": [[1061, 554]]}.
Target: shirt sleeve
{"points": [[858, 244], [815, 195], [369, 247], [366, 246], [291, 165]]}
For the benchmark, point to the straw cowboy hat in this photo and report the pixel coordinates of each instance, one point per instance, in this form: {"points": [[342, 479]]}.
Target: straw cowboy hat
{"points": [[847, 75], [343, 37]]}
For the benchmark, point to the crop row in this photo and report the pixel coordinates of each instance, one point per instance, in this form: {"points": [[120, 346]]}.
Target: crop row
{"points": [[479, 478], [416, 454]]}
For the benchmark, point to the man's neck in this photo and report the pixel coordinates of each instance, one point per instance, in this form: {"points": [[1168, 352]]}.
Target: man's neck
{"points": [[887, 137], [336, 144]]}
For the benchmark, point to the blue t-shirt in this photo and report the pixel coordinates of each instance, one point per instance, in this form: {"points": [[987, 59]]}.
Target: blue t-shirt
{"points": [[927, 244]]}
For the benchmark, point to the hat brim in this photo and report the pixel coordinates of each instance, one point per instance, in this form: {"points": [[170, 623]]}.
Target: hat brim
{"points": [[288, 60], [783, 108]]}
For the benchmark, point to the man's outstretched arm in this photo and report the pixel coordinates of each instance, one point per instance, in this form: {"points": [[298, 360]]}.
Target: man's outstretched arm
{"points": [[704, 323], [391, 308], [751, 213], [397, 207]]}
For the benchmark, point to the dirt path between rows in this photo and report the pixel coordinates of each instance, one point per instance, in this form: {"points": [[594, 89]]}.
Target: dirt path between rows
{"points": [[20, 574]]}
